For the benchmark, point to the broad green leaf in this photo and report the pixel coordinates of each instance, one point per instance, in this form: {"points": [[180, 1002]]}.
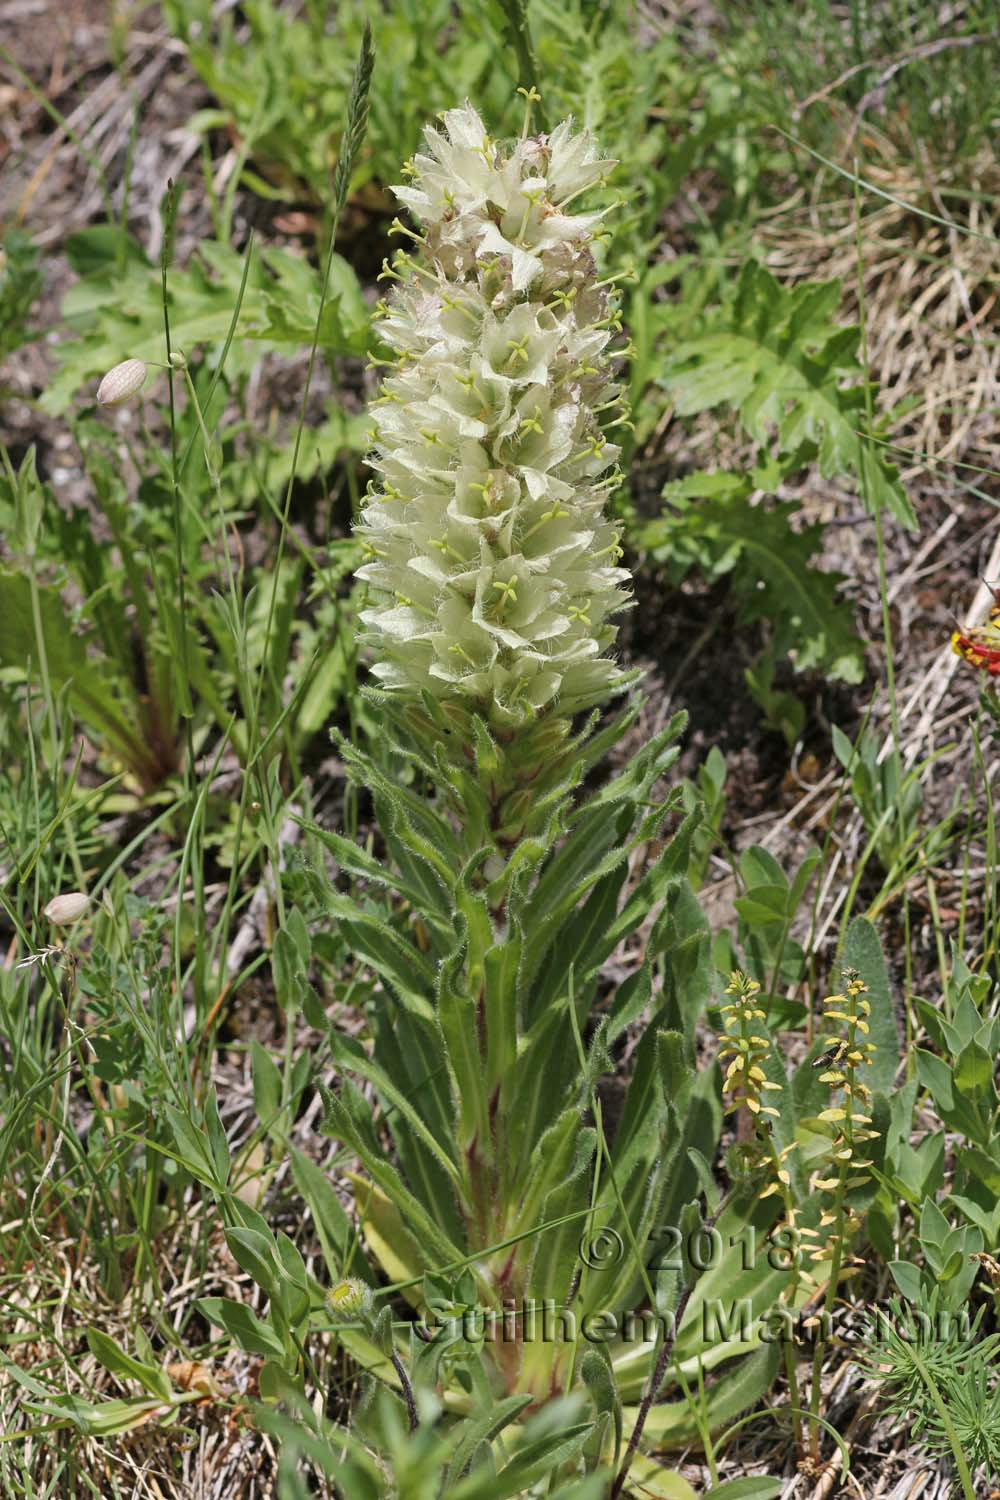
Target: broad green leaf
{"points": [[647, 1477], [483, 1428], [266, 1084], [768, 565], [341, 1248], [756, 1487], [934, 1227], [251, 1333], [114, 1359], [908, 1278], [256, 1253], [671, 1424], [863, 951], [113, 310], [193, 1147]]}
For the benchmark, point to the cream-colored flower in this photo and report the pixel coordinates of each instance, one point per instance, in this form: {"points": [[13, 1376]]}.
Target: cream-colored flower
{"points": [[492, 566]]}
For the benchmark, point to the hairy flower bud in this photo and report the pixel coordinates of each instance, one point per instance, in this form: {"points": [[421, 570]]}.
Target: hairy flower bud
{"points": [[121, 383], [492, 567], [349, 1299]]}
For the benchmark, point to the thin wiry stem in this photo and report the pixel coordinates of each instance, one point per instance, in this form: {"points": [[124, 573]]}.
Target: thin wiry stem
{"points": [[528, 76], [659, 1372], [354, 133]]}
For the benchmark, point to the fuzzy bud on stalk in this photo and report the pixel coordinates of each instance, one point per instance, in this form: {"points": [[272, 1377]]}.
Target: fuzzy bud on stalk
{"points": [[492, 566], [122, 383], [349, 1300]]}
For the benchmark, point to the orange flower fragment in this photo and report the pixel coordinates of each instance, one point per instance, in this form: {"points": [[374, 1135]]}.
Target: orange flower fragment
{"points": [[979, 645]]}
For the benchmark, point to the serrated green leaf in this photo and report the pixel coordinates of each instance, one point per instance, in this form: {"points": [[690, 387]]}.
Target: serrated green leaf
{"points": [[768, 564], [776, 356], [116, 312]]}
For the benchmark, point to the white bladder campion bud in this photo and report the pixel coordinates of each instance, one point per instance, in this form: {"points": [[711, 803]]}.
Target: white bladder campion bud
{"points": [[122, 383], [67, 908], [492, 566]]}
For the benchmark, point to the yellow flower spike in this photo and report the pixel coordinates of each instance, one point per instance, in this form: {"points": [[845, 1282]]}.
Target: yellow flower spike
{"points": [[745, 1082]]}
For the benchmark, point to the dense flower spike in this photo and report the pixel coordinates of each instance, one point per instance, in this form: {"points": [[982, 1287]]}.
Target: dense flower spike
{"points": [[745, 1084], [492, 566], [745, 1080], [848, 1052]]}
